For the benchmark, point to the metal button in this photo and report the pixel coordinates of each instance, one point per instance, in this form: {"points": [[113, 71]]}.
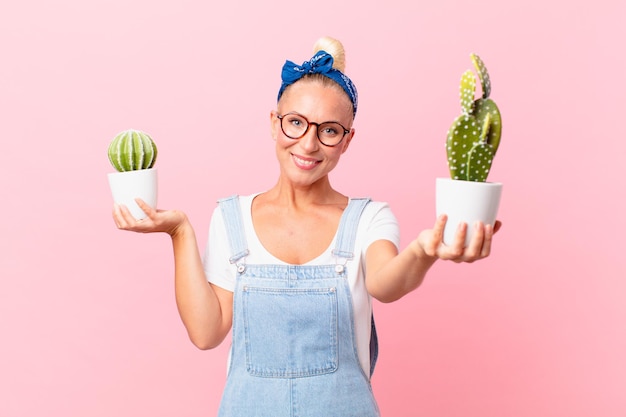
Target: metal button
{"points": [[241, 268], [339, 269]]}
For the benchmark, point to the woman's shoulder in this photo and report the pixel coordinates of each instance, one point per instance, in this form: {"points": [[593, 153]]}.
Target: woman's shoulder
{"points": [[240, 197], [230, 203], [374, 206], [244, 200]]}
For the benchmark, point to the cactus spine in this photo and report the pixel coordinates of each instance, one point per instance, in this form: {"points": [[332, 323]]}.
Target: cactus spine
{"points": [[474, 137], [132, 150]]}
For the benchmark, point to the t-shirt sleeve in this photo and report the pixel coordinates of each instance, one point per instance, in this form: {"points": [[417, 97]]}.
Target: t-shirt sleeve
{"points": [[381, 225], [217, 267]]}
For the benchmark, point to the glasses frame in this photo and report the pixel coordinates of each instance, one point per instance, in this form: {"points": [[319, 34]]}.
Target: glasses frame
{"points": [[308, 126]]}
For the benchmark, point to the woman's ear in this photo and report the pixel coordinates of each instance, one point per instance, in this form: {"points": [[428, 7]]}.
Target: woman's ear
{"points": [[274, 124], [347, 140]]}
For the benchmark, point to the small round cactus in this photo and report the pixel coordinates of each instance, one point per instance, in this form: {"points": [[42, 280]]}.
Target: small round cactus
{"points": [[474, 137], [132, 150]]}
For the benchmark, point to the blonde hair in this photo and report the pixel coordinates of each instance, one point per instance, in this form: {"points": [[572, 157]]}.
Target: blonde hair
{"points": [[334, 48]]}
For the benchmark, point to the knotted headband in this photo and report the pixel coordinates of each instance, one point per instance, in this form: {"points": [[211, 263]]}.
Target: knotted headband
{"points": [[321, 63]]}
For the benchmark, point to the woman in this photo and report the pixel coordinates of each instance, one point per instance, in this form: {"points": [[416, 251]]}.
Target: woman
{"points": [[292, 270]]}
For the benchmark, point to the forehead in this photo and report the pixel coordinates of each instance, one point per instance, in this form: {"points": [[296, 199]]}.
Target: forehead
{"points": [[316, 101]]}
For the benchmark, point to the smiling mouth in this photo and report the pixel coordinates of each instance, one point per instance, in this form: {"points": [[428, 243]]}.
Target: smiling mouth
{"points": [[305, 163]]}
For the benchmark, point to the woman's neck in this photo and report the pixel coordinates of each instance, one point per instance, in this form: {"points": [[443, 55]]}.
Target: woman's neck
{"points": [[319, 193]]}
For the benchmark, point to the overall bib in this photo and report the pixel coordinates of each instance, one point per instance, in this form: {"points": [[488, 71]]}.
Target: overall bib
{"points": [[293, 350]]}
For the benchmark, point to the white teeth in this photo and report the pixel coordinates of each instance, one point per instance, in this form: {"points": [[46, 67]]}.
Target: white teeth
{"points": [[303, 162]]}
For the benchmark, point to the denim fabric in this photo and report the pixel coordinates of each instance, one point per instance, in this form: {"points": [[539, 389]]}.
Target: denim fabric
{"points": [[293, 352]]}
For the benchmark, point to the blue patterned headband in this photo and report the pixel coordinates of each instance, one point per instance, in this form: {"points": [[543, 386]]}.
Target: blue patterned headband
{"points": [[321, 63]]}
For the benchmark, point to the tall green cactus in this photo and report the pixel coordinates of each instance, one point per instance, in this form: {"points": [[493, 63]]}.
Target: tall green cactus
{"points": [[132, 150], [474, 137]]}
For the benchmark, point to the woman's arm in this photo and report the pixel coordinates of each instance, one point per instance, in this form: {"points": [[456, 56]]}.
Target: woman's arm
{"points": [[392, 275], [205, 309]]}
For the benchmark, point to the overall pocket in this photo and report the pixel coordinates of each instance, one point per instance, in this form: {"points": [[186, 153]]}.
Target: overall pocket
{"points": [[290, 333]]}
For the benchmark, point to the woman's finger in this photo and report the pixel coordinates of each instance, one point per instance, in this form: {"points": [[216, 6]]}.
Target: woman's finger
{"points": [[497, 226], [117, 216], [474, 249], [150, 212], [486, 250], [129, 220], [436, 237], [454, 251], [440, 225]]}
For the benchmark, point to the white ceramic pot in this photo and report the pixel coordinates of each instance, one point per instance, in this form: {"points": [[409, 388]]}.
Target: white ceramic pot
{"points": [[466, 201], [126, 186]]}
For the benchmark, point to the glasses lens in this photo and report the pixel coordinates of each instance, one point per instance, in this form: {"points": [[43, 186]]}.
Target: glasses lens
{"points": [[294, 125], [330, 133]]}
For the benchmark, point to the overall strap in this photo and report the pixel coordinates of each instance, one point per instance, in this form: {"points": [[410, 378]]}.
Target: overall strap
{"points": [[348, 227], [345, 249], [231, 212]]}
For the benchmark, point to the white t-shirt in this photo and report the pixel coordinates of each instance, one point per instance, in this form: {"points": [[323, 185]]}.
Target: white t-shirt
{"points": [[377, 223]]}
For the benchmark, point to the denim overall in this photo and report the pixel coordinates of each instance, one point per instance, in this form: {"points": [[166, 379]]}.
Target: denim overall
{"points": [[293, 350]]}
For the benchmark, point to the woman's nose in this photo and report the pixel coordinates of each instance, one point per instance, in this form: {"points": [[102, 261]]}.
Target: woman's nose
{"points": [[309, 141]]}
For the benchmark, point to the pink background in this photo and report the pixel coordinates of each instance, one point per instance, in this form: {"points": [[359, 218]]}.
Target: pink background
{"points": [[88, 323]]}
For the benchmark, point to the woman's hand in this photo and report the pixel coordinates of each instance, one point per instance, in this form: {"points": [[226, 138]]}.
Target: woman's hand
{"points": [[392, 275], [431, 243], [166, 221]]}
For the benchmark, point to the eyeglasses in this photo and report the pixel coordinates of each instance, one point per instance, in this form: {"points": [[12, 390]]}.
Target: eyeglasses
{"points": [[295, 126]]}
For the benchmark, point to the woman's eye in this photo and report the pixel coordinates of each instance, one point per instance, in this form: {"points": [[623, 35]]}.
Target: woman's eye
{"points": [[295, 121], [329, 131]]}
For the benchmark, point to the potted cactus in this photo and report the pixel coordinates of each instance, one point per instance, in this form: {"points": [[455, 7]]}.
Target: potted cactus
{"points": [[471, 145], [133, 154]]}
